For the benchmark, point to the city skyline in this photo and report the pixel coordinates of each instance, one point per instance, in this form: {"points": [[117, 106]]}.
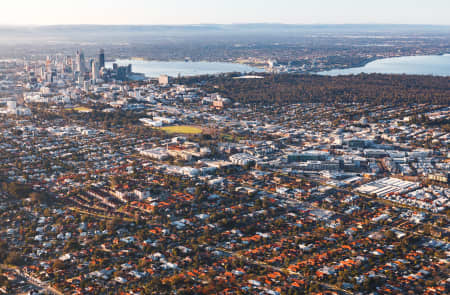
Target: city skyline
{"points": [[224, 147], [176, 12]]}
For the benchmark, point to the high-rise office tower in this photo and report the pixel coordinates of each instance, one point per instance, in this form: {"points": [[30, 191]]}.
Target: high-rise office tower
{"points": [[101, 58], [95, 71], [80, 63], [91, 62]]}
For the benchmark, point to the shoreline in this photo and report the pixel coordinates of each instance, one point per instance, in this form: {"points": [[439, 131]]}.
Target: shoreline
{"points": [[363, 65], [313, 72]]}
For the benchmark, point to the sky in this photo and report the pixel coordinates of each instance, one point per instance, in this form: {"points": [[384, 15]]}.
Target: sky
{"points": [[140, 12]]}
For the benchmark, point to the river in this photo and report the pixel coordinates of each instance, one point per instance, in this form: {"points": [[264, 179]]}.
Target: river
{"points": [[437, 65], [153, 69]]}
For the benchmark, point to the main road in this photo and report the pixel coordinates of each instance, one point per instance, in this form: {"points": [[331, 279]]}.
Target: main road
{"points": [[36, 283]]}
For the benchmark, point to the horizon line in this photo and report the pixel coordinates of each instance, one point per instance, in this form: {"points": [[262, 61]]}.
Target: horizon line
{"points": [[230, 24]]}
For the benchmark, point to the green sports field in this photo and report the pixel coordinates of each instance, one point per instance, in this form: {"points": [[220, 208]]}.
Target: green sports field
{"points": [[182, 129]]}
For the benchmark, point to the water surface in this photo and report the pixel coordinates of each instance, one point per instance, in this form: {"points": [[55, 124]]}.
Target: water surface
{"points": [[154, 69], [437, 65]]}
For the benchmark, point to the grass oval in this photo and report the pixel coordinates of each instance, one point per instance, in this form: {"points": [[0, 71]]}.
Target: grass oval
{"points": [[182, 129]]}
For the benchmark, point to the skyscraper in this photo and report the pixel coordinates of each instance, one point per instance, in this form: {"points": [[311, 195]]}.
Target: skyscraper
{"points": [[101, 58], [90, 64], [80, 63], [95, 70]]}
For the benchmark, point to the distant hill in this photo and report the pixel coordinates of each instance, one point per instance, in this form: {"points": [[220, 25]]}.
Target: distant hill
{"points": [[99, 33]]}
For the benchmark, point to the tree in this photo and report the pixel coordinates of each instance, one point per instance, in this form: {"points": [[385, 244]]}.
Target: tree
{"points": [[60, 265], [14, 258], [72, 245], [115, 181]]}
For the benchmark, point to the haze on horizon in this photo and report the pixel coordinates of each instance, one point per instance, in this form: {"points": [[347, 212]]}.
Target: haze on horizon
{"points": [[176, 12]]}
